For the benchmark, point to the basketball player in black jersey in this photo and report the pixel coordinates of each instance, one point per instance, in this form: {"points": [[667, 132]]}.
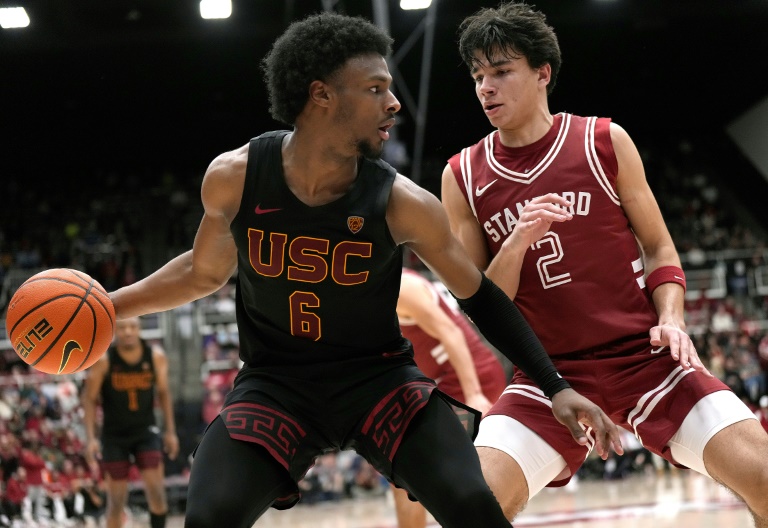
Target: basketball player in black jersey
{"points": [[125, 382], [314, 223]]}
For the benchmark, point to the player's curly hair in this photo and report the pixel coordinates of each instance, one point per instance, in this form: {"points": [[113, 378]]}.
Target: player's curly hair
{"points": [[513, 28], [314, 49]]}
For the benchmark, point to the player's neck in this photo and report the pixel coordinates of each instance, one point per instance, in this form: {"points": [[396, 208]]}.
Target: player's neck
{"points": [[128, 352], [527, 131], [316, 172]]}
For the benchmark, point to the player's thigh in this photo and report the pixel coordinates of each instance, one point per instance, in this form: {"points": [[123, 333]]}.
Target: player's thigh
{"points": [[737, 456], [698, 442], [437, 463], [517, 463], [232, 482]]}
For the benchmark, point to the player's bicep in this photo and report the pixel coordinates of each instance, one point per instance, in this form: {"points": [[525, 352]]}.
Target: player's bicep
{"points": [[462, 220], [160, 363], [417, 219], [94, 379], [636, 196], [214, 251]]}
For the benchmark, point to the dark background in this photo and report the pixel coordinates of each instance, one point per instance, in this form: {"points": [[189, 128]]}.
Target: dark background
{"points": [[149, 84]]}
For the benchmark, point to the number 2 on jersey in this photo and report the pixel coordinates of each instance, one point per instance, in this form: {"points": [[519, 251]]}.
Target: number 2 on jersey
{"points": [[548, 279]]}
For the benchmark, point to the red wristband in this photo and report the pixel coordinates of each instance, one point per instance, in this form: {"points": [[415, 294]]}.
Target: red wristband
{"points": [[665, 274]]}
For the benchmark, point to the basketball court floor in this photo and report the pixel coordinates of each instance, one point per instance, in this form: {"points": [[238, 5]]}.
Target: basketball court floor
{"points": [[681, 500]]}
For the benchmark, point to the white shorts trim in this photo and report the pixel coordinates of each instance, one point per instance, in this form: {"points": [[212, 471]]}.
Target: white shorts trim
{"points": [[709, 416], [540, 463]]}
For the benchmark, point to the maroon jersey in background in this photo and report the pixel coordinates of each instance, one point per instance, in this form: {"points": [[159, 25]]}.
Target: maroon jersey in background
{"points": [[429, 354]]}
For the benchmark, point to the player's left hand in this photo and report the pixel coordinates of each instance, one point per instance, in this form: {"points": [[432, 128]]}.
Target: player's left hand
{"points": [[572, 410], [171, 444], [681, 347]]}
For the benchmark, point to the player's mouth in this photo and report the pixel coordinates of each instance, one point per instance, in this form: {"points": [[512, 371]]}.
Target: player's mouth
{"points": [[384, 130], [491, 108]]}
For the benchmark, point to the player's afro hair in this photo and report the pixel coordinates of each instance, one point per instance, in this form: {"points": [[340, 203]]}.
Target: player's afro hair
{"points": [[314, 49]]}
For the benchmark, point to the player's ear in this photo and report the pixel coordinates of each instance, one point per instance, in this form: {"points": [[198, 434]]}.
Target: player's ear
{"points": [[319, 93], [545, 74]]}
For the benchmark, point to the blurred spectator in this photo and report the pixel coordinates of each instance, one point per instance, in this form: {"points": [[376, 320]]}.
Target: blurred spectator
{"points": [[34, 466], [722, 320], [58, 492], [9, 455], [16, 500], [749, 369]]}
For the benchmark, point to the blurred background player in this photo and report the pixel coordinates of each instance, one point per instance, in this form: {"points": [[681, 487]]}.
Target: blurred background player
{"points": [[446, 348], [126, 381]]}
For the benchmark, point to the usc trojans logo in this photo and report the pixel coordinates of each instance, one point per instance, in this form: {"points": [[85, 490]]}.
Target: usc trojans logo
{"points": [[355, 223]]}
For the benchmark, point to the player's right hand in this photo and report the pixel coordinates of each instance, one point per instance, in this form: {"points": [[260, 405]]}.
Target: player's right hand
{"points": [[536, 218], [93, 452], [572, 410]]}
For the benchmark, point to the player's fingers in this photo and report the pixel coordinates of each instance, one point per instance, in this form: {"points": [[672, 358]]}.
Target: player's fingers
{"points": [[546, 210], [694, 361], [601, 430], [552, 198], [577, 432], [674, 345], [655, 335]]}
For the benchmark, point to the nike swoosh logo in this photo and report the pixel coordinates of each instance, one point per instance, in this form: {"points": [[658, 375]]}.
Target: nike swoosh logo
{"points": [[259, 210], [658, 350], [69, 347], [481, 190]]}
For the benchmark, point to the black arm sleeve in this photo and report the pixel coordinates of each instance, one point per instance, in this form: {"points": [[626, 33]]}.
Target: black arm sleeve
{"points": [[501, 322]]}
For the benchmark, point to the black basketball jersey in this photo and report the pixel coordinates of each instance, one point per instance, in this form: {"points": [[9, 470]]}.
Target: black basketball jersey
{"points": [[314, 283], [128, 394]]}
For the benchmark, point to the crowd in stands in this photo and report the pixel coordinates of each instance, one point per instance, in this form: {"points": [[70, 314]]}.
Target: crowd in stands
{"points": [[45, 479], [44, 476]]}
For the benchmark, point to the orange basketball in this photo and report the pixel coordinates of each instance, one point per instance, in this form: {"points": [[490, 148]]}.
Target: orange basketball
{"points": [[60, 321]]}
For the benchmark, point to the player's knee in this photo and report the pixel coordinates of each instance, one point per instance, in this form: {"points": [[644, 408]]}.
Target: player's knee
{"points": [[513, 504], [156, 498], [214, 511], [467, 501], [756, 496], [199, 516]]}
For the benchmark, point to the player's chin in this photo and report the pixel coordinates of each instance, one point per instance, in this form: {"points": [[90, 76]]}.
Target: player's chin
{"points": [[370, 149]]}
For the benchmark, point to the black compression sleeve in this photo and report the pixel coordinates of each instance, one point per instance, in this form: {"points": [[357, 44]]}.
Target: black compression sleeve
{"points": [[501, 322]]}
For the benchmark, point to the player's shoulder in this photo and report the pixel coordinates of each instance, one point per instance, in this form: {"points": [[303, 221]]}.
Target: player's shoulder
{"points": [[229, 164], [157, 349], [409, 198], [100, 367]]}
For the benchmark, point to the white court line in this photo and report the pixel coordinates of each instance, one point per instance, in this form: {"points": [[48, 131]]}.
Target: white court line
{"points": [[663, 509]]}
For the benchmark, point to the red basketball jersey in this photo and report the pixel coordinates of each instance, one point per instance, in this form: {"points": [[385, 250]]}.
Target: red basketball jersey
{"points": [[581, 285], [428, 352]]}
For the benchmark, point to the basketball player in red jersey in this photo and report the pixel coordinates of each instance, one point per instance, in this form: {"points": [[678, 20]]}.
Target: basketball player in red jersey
{"points": [[447, 349], [552, 207], [125, 382]]}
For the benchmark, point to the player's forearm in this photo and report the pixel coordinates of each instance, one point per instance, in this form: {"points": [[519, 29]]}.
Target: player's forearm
{"points": [[668, 297], [505, 268], [500, 321], [460, 358], [166, 404], [669, 300], [89, 419], [175, 284]]}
